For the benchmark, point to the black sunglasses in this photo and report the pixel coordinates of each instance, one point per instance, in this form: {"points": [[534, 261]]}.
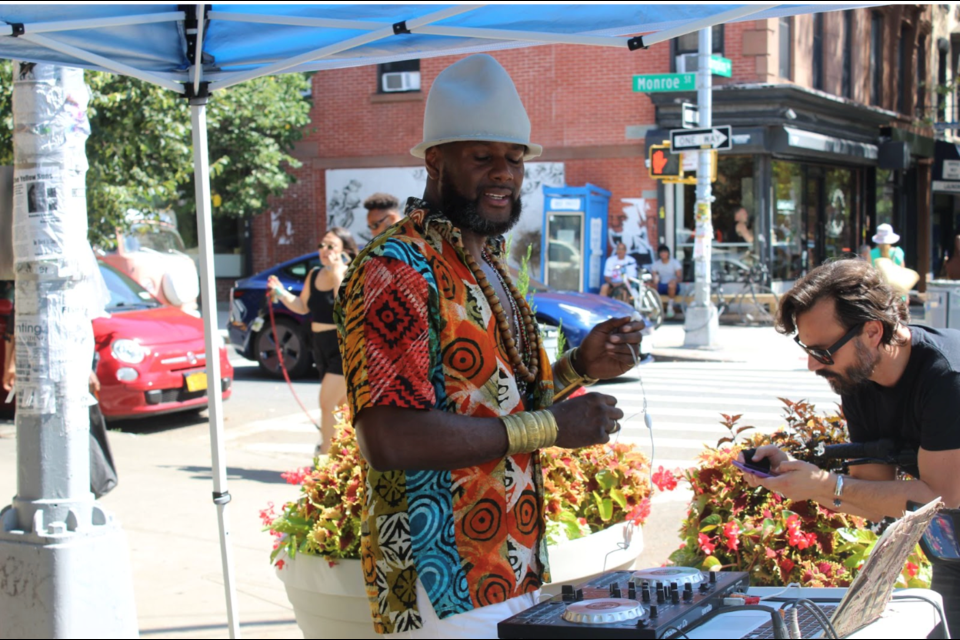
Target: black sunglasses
{"points": [[825, 356], [324, 245], [373, 227]]}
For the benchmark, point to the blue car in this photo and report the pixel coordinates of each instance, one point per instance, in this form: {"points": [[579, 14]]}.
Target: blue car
{"points": [[252, 338]]}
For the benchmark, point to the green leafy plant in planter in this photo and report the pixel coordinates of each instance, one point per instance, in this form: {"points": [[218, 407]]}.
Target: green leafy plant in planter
{"points": [[731, 526], [586, 491]]}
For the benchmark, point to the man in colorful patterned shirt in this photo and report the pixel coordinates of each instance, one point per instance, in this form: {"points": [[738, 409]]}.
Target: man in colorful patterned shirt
{"points": [[451, 391]]}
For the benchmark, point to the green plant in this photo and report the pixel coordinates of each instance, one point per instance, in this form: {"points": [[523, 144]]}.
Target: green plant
{"points": [[777, 541], [585, 491]]}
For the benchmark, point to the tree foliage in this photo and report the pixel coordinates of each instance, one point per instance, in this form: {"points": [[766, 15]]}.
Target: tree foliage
{"points": [[141, 155]]}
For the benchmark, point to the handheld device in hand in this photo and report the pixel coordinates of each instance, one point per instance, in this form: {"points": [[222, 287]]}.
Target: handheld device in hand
{"points": [[761, 468]]}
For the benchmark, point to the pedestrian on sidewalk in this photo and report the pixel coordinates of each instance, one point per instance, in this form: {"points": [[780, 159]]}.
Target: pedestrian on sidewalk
{"points": [[336, 250], [451, 390], [667, 275], [616, 271], [885, 238], [383, 211]]}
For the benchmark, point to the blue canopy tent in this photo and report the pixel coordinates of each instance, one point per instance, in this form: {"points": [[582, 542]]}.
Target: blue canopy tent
{"points": [[200, 48]]}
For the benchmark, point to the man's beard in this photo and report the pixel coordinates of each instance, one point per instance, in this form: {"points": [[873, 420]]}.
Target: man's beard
{"points": [[856, 375], [465, 213]]}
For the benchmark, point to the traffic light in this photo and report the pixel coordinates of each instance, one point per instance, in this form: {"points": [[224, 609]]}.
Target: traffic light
{"points": [[663, 164]]}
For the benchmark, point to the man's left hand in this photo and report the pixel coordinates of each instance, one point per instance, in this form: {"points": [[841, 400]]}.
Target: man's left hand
{"points": [[610, 349]]}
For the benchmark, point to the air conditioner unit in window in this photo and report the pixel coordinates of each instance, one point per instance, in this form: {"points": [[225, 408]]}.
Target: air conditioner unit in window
{"points": [[401, 81], [687, 63]]}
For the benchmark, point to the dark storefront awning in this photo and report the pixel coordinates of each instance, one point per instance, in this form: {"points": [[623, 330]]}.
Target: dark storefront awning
{"points": [[790, 141], [793, 141]]}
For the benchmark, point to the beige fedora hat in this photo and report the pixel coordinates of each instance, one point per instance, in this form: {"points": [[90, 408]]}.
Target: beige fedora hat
{"points": [[475, 99]]}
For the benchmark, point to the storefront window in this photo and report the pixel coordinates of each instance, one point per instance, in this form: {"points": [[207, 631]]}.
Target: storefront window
{"points": [[885, 196], [839, 234], [789, 254], [735, 222]]}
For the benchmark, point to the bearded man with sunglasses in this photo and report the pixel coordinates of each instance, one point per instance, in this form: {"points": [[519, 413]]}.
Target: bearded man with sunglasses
{"points": [[896, 380]]}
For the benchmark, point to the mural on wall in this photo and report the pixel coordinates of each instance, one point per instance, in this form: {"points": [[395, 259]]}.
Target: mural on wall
{"points": [[631, 227], [281, 229], [348, 188]]}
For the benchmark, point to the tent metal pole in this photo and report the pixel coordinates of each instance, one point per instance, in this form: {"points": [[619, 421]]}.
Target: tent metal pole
{"points": [[198, 57], [96, 23], [351, 43], [524, 36], [105, 63], [298, 21], [208, 292], [706, 23]]}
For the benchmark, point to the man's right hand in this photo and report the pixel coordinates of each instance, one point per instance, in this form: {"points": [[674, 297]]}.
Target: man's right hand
{"points": [[770, 452], [587, 420]]}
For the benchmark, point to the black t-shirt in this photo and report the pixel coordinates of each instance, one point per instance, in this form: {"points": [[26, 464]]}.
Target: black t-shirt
{"points": [[923, 409]]}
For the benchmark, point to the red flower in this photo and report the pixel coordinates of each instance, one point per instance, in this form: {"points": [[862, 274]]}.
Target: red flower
{"points": [[640, 513], [706, 545], [280, 564], [731, 531], [267, 516], [296, 476], [912, 569], [796, 537], [665, 480]]}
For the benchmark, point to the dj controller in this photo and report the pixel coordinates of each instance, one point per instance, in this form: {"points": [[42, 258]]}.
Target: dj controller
{"points": [[653, 603]]}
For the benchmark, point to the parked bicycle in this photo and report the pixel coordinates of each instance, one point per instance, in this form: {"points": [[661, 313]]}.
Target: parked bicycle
{"points": [[748, 300], [643, 297]]}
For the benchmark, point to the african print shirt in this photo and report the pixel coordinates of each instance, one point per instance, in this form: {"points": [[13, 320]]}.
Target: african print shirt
{"points": [[417, 332]]}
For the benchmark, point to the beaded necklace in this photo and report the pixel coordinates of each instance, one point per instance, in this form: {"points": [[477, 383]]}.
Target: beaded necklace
{"points": [[529, 344]]}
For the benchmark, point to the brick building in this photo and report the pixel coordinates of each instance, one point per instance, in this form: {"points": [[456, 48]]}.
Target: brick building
{"points": [[824, 107]]}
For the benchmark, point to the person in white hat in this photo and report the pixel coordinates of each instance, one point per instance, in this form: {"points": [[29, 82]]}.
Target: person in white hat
{"points": [[451, 391], [885, 238]]}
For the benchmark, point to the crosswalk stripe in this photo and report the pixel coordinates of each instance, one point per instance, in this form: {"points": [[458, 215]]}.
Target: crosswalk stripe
{"points": [[722, 403]]}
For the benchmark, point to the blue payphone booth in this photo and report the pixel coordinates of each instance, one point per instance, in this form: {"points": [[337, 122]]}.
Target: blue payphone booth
{"points": [[575, 234]]}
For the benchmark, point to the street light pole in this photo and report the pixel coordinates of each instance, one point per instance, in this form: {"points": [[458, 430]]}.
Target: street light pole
{"points": [[64, 564], [701, 323]]}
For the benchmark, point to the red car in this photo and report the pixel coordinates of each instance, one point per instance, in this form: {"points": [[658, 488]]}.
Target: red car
{"points": [[150, 357]]}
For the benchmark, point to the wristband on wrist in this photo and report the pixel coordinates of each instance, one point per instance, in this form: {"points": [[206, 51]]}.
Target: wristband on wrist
{"points": [[838, 491], [528, 431]]}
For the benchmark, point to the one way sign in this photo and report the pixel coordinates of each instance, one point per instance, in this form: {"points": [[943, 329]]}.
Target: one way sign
{"points": [[692, 139]]}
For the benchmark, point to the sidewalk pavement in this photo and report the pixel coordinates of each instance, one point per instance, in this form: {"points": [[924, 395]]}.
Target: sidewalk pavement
{"points": [[164, 504], [760, 346]]}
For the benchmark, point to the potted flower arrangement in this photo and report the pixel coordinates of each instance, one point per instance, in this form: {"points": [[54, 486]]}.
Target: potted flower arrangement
{"points": [[599, 492], [777, 541]]}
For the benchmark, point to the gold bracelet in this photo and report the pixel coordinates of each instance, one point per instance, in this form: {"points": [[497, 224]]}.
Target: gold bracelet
{"points": [[528, 431], [566, 378]]}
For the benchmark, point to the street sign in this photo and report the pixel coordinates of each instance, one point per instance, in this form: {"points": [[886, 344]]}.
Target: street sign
{"points": [[663, 164], [695, 139], [689, 116], [720, 66], [660, 82]]}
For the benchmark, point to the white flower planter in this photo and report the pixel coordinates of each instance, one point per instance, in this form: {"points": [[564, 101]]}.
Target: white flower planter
{"points": [[576, 561], [328, 602], [331, 602]]}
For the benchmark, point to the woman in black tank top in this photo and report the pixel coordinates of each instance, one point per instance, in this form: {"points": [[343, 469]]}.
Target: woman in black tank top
{"points": [[317, 298]]}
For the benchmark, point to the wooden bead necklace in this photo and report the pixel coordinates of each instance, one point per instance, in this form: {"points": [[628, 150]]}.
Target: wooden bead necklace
{"points": [[530, 340]]}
